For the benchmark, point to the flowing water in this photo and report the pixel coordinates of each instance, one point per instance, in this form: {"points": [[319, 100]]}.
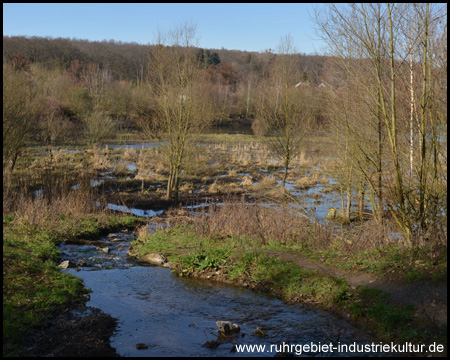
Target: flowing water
{"points": [[176, 316], [172, 316]]}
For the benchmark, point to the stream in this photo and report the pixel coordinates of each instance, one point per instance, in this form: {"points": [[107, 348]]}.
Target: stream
{"points": [[173, 316]]}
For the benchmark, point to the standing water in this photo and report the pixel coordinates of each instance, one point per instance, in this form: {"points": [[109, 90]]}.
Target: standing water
{"points": [[160, 314]]}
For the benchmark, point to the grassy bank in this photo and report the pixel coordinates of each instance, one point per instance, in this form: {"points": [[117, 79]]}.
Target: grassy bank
{"points": [[34, 288], [241, 260], [428, 262], [234, 259]]}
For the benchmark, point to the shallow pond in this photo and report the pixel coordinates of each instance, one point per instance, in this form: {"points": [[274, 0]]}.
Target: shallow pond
{"points": [[176, 316]]}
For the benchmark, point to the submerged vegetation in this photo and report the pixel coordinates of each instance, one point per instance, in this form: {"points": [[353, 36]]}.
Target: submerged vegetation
{"points": [[351, 178]]}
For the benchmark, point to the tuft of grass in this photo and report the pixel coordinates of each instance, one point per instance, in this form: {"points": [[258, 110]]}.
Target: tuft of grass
{"points": [[390, 321], [212, 259], [307, 181], [268, 182]]}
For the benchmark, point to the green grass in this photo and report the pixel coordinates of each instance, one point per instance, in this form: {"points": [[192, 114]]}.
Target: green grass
{"points": [[199, 261], [387, 319], [237, 261], [389, 260]]}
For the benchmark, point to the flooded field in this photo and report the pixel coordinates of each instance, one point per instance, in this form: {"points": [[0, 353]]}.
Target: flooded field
{"points": [[237, 166]]}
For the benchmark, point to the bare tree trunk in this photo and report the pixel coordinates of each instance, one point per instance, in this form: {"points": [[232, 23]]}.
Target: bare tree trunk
{"points": [[248, 99], [379, 192], [225, 99], [286, 167], [411, 116], [361, 204], [169, 186], [348, 204], [423, 105]]}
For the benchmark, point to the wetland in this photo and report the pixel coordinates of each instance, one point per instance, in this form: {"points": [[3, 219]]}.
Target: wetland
{"points": [[237, 247]]}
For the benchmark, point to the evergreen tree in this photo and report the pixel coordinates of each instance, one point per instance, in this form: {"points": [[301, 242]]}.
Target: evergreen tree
{"points": [[213, 59], [201, 56]]}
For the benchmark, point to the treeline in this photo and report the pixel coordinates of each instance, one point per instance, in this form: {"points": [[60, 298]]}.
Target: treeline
{"points": [[128, 61], [90, 90], [123, 60]]}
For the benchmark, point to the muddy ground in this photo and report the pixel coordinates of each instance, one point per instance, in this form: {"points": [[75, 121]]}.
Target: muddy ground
{"points": [[77, 331]]}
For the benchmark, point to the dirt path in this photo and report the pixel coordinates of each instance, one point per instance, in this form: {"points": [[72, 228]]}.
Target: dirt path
{"points": [[430, 298]]}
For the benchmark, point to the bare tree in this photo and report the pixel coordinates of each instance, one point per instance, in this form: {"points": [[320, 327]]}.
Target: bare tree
{"points": [[283, 113], [370, 38], [20, 110], [97, 127], [180, 106]]}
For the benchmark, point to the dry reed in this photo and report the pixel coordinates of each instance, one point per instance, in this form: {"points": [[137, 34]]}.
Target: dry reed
{"points": [[239, 219], [40, 197]]}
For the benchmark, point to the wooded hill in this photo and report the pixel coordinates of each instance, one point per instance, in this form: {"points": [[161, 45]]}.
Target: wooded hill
{"points": [[77, 84], [128, 61]]}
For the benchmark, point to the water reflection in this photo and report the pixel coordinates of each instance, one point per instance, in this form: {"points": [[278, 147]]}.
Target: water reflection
{"points": [[138, 212], [136, 146], [176, 316]]}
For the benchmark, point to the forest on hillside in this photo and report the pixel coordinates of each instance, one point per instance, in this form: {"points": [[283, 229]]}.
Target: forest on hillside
{"points": [[127, 61], [76, 77]]}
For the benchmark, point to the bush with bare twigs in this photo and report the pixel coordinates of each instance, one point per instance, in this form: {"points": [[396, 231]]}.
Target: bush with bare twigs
{"points": [[238, 219], [58, 193]]}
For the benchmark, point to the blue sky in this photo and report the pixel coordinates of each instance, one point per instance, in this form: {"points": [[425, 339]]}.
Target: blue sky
{"points": [[251, 27]]}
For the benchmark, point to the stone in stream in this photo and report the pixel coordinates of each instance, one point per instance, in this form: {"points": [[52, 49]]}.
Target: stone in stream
{"points": [[106, 250], [66, 264], [154, 259], [117, 237], [227, 328], [141, 346], [81, 262], [259, 332]]}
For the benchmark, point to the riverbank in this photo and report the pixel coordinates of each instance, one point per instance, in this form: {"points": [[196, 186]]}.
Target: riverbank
{"points": [[75, 331], [38, 299], [242, 262]]}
